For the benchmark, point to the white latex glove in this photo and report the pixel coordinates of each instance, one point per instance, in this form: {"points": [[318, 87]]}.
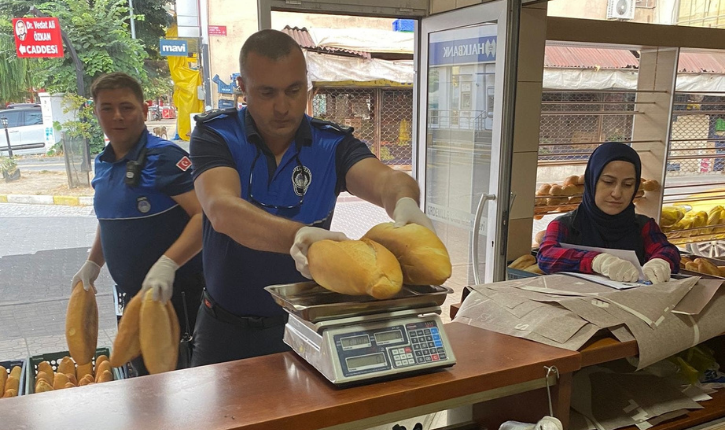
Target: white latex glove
{"points": [[305, 237], [407, 212], [615, 268], [657, 270], [161, 279], [87, 274]]}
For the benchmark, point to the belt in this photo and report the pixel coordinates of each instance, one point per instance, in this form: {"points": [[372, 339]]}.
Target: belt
{"points": [[224, 315]]}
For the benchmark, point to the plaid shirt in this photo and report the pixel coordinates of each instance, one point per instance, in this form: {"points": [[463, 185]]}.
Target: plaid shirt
{"points": [[553, 258]]}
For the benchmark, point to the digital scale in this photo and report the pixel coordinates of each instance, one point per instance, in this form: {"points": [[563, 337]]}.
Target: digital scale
{"points": [[354, 339]]}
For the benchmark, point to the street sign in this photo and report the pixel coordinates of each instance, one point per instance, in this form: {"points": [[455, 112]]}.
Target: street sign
{"points": [[37, 37], [217, 30], [171, 47]]}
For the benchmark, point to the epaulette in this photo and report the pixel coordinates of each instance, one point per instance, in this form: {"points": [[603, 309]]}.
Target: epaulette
{"points": [[214, 113], [329, 125]]}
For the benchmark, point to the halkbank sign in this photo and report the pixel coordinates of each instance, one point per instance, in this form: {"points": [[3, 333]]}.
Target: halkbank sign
{"points": [[173, 47], [478, 50]]}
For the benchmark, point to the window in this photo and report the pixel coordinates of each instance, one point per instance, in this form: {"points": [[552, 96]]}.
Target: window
{"points": [[645, 4], [33, 117], [14, 118]]}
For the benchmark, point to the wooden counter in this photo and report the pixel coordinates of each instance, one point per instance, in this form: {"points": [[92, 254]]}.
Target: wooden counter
{"points": [[282, 391]]}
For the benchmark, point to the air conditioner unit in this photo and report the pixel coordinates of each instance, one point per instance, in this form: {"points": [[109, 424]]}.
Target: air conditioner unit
{"points": [[620, 9]]}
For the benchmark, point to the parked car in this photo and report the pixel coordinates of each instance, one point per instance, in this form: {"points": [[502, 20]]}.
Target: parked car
{"points": [[25, 128]]}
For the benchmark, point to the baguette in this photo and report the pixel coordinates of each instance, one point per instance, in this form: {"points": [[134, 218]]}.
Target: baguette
{"points": [[423, 258], [81, 324], [523, 262], [127, 346], [158, 347], [534, 268], [355, 267]]}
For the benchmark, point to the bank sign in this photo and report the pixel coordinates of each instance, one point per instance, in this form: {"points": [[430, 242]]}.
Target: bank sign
{"points": [[172, 47], [478, 50], [37, 37]]}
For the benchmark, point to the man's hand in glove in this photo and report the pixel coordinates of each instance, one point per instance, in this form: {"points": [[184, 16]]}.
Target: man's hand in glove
{"points": [[305, 237], [615, 268], [407, 212], [87, 274], [161, 278], [657, 270]]}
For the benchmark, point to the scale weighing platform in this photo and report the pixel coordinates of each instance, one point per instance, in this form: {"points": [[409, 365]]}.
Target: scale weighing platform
{"points": [[354, 339]]}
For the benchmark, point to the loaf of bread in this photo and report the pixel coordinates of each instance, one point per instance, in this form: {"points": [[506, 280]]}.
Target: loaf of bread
{"points": [[570, 190], [571, 180], [543, 190], [556, 190], [523, 262], [423, 258], [650, 185], [81, 324], [534, 268], [355, 267], [540, 237], [159, 348], [127, 346]]}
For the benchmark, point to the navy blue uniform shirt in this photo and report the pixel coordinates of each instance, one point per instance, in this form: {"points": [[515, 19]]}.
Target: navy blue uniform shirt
{"points": [[303, 187], [138, 224]]}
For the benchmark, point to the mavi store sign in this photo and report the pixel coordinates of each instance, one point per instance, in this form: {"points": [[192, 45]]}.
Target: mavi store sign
{"points": [[172, 47]]}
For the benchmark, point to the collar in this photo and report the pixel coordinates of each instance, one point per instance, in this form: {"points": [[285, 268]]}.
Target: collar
{"points": [[303, 135], [108, 155]]}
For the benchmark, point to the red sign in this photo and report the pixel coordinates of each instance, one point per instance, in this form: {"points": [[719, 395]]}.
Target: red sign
{"points": [[37, 37], [217, 30]]}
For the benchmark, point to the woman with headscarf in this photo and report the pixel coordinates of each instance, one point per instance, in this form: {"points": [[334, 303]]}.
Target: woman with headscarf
{"points": [[606, 219]]}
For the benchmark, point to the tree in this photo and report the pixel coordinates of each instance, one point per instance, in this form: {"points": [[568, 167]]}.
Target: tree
{"points": [[98, 31], [15, 77], [151, 21]]}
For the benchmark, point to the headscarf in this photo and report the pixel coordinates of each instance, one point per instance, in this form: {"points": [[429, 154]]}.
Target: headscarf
{"points": [[598, 228]]}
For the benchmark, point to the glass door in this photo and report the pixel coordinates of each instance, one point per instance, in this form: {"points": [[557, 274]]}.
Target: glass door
{"points": [[462, 124]]}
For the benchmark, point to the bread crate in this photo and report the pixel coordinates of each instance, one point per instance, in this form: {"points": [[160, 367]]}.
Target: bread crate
{"points": [[8, 365], [518, 274], [54, 359]]}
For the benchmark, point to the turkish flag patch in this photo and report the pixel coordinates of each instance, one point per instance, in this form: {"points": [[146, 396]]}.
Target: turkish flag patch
{"points": [[184, 164]]}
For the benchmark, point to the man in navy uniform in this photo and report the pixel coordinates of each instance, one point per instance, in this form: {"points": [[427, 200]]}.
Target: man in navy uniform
{"points": [[268, 177], [149, 219]]}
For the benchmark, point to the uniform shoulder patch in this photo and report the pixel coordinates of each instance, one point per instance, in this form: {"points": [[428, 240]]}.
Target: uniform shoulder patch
{"points": [[329, 125], [214, 113], [184, 164]]}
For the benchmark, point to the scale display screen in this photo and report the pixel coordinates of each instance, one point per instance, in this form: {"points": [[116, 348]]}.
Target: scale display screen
{"points": [[386, 337], [364, 362], [354, 342]]}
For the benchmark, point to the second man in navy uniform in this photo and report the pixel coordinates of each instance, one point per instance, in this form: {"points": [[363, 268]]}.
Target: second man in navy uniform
{"points": [[149, 219], [268, 177]]}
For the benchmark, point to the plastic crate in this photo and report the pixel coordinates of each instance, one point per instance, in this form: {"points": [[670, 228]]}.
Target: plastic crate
{"points": [[54, 359], [519, 274], [406, 25], [8, 365]]}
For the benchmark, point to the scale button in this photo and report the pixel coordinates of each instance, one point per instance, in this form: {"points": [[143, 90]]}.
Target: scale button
{"points": [[441, 351], [409, 355], [420, 359], [429, 338], [439, 344], [428, 359], [419, 353], [435, 357], [431, 344], [398, 363], [415, 340], [420, 332], [442, 356], [427, 331], [434, 330], [436, 337], [413, 333], [417, 346], [407, 349]]}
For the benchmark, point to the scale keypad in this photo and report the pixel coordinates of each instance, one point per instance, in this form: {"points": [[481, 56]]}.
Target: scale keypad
{"points": [[403, 356], [427, 345]]}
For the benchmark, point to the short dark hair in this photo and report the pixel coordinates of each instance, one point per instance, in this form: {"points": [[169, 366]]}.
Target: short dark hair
{"points": [[272, 44], [116, 81]]}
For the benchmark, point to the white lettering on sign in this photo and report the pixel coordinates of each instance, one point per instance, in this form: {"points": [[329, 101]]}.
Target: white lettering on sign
{"points": [[42, 37], [41, 24], [38, 49], [485, 48], [173, 48]]}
